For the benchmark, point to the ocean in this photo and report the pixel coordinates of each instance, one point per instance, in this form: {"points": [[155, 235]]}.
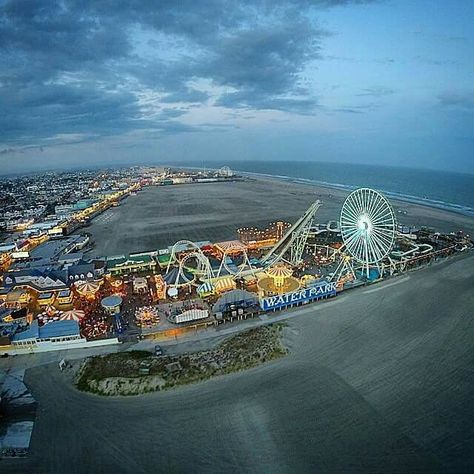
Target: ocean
{"points": [[445, 190]]}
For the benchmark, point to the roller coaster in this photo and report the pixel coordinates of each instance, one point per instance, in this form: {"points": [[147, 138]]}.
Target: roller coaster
{"points": [[289, 249]]}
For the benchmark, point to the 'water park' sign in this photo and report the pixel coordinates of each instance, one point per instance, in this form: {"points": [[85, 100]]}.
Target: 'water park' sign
{"points": [[305, 295]]}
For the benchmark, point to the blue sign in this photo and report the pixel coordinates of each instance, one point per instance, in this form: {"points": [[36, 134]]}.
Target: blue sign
{"points": [[315, 292]]}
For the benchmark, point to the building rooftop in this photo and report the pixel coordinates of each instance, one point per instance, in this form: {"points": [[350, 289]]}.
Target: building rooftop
{"points": [[49, 330], [123, 260], [31, 333], [59, 329], [52, 249]]}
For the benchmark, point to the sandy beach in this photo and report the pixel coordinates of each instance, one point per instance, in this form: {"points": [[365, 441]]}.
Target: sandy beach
{"points": [[161, 215], [377, 380]]}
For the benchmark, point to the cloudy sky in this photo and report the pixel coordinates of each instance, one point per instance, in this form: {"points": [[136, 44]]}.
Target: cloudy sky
{"points": [[130, 81]]}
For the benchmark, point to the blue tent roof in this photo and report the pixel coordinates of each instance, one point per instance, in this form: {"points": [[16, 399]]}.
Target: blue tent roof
{"points": [[58, 329], [112, 301], [31, 333], [173, 277], [206, 287], [52, 329]]}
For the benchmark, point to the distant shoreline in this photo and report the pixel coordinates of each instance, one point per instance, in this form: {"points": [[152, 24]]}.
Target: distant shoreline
{"points": [[465, 211], [444, 206]]}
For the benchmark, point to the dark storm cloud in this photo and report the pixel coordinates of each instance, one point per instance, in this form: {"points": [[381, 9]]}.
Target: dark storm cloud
{"points": [[263, 65], [75, 67], [47, 110]]}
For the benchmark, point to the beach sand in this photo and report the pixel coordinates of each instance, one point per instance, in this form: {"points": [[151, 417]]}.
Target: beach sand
{"points": [[377, 380], [161, 215]]}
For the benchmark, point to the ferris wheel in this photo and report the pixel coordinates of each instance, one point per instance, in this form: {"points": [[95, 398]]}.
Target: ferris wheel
{"points": [[368, 227]]}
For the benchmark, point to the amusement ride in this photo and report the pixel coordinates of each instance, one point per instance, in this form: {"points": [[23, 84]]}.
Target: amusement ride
{"points": [[367, 231], [368, 228]]}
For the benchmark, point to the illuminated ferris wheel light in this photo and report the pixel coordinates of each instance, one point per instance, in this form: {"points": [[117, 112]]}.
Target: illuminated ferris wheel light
{"points": [[368, 226]]}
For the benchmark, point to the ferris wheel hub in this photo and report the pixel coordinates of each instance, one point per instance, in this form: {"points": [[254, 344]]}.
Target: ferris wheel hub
{"points": [[364, 224]]}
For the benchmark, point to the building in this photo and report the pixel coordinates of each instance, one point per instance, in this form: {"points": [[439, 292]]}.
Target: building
{"points": [[131, 264], [254, 237], [17, 297], [39, 280], [82, 271], [53, 333], [46, 299], [64, 297]]}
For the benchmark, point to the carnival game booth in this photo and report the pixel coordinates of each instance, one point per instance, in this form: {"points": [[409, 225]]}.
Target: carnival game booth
{"points": [[160, 286], [206, 289], [140, 285], [187, 311], [221, 285], [230, 247]]}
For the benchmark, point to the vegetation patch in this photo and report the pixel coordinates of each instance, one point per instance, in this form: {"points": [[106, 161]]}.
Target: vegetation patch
{"points": [[123, 373]]}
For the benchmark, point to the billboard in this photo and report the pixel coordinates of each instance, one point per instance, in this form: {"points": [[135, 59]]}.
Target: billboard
{"points": [[319, 290]]}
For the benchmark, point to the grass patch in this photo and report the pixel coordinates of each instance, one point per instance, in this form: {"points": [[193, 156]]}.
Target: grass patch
{"points": [[118, 374]]}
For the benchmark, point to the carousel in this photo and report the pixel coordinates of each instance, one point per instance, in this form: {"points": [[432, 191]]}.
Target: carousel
{"points": [[52, 314], [72, 315], [88, 289], [278, 279]]}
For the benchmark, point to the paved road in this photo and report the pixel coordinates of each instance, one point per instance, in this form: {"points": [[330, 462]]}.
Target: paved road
{"points": [[380, 381]]}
